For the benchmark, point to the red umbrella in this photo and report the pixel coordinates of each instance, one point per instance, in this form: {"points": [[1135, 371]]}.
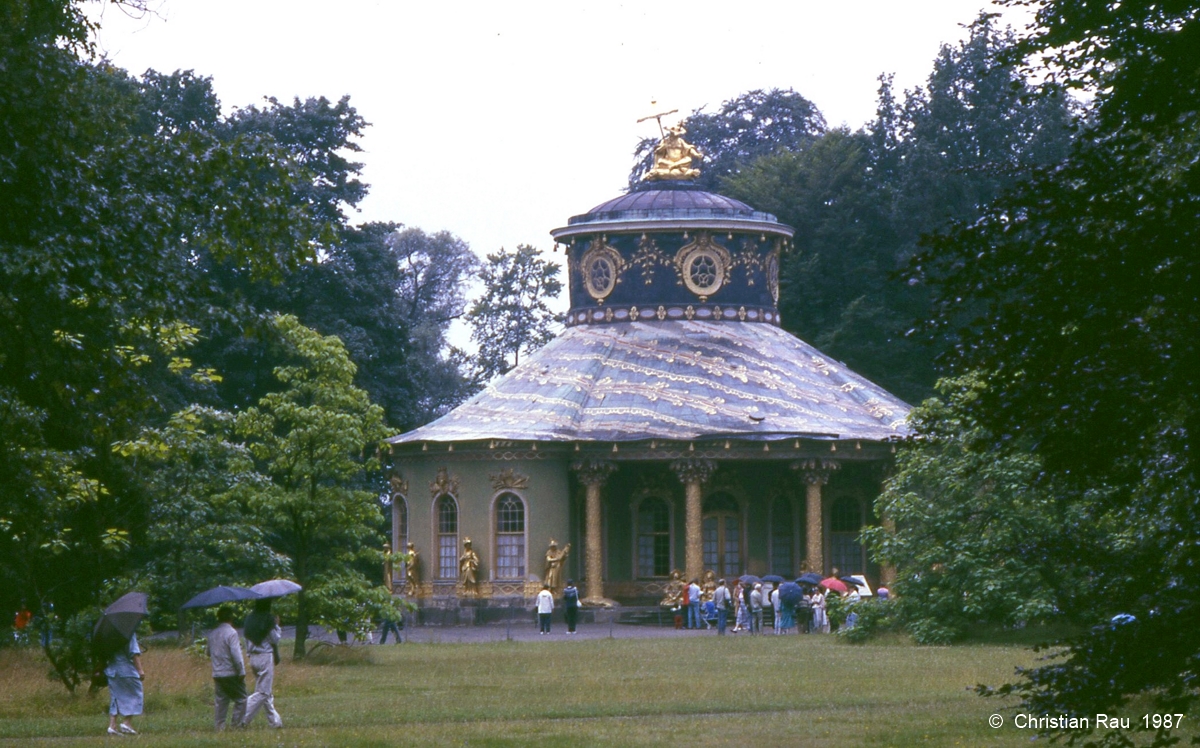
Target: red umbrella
{"points": [[835, 584]]}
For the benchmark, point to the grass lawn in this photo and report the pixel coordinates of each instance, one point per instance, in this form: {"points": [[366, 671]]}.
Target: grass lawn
{"points": [[689, 690]]}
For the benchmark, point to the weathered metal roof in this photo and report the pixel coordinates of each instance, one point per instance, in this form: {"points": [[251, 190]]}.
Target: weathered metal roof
{"points": [[673, 380]]}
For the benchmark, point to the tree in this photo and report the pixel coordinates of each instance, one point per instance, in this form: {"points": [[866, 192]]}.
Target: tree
{"points": [[972, 535], [755, 124], [1076, 292], [434, 269], [513, 316], [309, 439], [198, 534], [107, 216]]}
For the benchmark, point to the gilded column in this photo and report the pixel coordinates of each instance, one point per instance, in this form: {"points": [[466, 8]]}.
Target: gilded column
{"points": [[887, 572], [693, 473], [592, 474], [816, 474]]}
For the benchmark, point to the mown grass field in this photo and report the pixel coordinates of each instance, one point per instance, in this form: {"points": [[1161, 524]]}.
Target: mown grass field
{"points": [[694, 691]]}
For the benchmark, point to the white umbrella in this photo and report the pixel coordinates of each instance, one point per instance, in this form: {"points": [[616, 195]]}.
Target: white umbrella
{"points": [[276, 588]]}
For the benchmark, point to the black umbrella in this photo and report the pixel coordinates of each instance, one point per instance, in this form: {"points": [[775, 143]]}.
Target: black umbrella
{"points": [[220, 594], [773, 579], [122, 617], [790, 594], [810, 577], [850, 582]]}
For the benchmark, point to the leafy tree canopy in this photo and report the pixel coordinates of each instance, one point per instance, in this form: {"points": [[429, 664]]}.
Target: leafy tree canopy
{"points": [[513, 316], [314, 439], [1076, 293]]}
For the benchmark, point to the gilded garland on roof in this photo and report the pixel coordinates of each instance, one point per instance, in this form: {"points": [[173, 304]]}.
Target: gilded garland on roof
{"points": [[647, 259], [703, 266]]}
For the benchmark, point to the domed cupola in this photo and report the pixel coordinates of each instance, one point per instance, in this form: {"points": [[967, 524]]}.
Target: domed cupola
{"points": [[668, 250]]}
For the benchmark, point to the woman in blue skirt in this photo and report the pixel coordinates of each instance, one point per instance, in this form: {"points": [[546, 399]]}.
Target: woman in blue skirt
{"points": [[125, 676]]}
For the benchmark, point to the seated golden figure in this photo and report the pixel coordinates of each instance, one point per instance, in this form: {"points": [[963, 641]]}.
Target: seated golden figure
{"points": [[673, 595], [673, 157]]}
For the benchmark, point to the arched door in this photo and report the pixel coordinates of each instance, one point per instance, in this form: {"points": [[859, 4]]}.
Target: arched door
{"points": [[722, 534]]}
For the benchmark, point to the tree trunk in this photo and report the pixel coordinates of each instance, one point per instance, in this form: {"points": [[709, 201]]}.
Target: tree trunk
{"points": [[301, 625]]}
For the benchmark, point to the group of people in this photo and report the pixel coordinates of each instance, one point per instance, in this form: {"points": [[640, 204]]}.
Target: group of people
{"points": [[715, 604], [229, 667], [545, 607], [124, 672]]}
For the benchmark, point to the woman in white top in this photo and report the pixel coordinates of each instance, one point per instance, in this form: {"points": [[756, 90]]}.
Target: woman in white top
{"points": [[820, 623]]}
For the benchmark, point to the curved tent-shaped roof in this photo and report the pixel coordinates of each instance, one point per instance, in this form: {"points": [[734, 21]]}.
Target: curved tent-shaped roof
{"points": [[673, 380]]}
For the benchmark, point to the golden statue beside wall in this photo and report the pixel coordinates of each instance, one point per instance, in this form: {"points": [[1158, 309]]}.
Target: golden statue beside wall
{"points": [[555, 558], [412, 570], [468, 569], [673, 157]]}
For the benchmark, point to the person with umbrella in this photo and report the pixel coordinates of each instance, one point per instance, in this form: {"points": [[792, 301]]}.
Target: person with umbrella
{"points": [[262, 645], [228, 668], [116, 645]]}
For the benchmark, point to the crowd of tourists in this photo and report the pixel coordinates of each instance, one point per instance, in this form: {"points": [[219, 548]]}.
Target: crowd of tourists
{"points": [[803, 608]]}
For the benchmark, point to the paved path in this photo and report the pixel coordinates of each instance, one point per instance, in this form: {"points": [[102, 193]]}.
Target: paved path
{"points": [[516, 631]]}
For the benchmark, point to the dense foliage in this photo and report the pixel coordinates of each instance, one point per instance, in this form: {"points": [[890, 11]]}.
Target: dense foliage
{"points": [[513, 317], [1076, 294]]}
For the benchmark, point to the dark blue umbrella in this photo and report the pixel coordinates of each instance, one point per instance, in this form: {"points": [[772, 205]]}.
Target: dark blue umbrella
{"points": [[773, 578], [810, 578], [790, 594], [749, 579], [220, 594]]}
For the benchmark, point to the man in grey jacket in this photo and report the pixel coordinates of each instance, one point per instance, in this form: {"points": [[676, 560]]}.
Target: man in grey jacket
{"points": [[722, 601], [228, 668]]}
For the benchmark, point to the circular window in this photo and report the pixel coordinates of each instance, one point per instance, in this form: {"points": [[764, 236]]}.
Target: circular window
{"points": [[703, 266], [600, 267], [703, 271], [600, 276]]}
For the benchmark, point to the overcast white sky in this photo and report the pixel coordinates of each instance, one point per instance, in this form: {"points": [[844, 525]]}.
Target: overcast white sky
{"points": [[498, 121]]}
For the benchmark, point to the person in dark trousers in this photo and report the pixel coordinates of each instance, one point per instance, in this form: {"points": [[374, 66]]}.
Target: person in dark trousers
{"points": [[545, 606], [571, 605], [724, 603], [228, 669], [390, 625]]}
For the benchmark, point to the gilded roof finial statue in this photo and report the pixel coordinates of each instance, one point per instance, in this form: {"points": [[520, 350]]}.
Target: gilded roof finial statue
{"points": [[673, 155]]}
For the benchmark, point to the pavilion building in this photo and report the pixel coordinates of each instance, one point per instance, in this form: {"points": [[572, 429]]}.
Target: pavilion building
{"points": [[673, 425]]}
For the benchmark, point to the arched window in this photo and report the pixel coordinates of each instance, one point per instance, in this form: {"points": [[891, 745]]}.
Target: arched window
{"points": [[845, 523], [510, 537], [653, 538], [447, 537], [782, 558], [722, 535]]}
